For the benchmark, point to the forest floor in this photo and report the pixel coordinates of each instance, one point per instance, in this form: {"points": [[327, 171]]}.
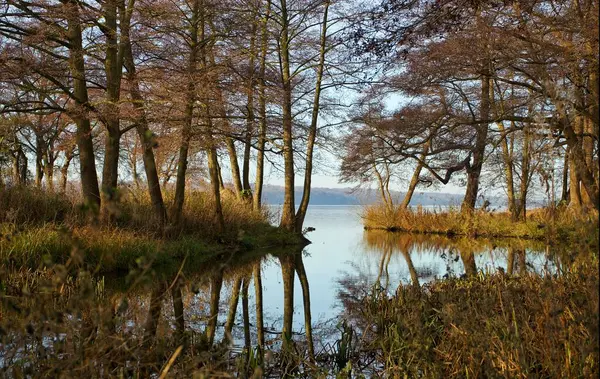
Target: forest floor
{"points": [[39, 229], [561, 225]]}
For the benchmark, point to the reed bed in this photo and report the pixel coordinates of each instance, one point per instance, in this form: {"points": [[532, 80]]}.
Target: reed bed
{"points": [[558, 225], [489, 325]]}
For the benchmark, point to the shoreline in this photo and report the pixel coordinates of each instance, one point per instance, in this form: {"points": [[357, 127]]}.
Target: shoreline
{"points": [[560, 225], [117, 251]]}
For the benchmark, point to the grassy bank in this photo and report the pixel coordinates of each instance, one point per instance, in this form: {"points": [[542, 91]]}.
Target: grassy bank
{"points": [[562, 225], [39, 228], [486, 326]]}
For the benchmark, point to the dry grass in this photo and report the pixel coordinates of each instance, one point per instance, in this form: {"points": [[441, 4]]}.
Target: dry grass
{"points": [[132, 210], [563, 225], [487, 326], [25, 205], [39, 228]]}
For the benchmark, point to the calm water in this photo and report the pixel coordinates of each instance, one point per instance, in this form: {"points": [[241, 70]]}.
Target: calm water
{"points": [[341, 248], [343, 263], [342, 253]]}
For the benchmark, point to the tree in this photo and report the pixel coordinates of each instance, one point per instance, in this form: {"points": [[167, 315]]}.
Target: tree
{"points": [[526, 46]]}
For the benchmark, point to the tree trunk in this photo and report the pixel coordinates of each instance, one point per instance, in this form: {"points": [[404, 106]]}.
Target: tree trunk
{"points": [[468, 258], [211, 148], [414, 181], [16, 177], [186, 128], [21, 167], [385, 250], [250, 119], [388, 202], [235, 168], [510, 261], [312, 132], [64, 170], [580, 168], [49, 159], [588, 152], [178, 311], [233, 302], [507, 160], [133, 163], [216, 282], [575, 201], [592, 128], [49, 174], [113, 67], [564, 197], [306, 301], [262, 109], [145, 134], [414, 276], [287, 273], [111, 167], [521, 256], [213, 169], [525, 174], [39, 157], [246, 314], [288, 212], [79, 114], [221, 183], [474, 171], [258, 294], [151, 324], [229, 141]]}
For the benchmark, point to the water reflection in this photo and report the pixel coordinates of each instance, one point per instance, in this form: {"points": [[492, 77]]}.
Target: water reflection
{"points": [[219, 295], [200, 311], [427, 257]]}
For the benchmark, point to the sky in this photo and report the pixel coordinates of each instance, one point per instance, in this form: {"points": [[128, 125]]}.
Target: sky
{"points": [[326, 175]]}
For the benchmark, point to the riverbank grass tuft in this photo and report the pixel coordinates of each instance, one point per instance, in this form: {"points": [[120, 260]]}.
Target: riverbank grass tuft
{"points": [[559, 225]]}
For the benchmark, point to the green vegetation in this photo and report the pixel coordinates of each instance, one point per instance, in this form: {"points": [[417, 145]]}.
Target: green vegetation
{"points": [[487, 325], [560, 225], [43, 228]]}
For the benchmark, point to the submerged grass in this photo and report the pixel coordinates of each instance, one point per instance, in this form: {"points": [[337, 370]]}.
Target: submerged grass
{"points": [[561, 225], [490, 325]]}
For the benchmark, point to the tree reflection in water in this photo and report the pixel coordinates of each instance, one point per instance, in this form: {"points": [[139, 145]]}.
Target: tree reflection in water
{"points": [[177, 318]]}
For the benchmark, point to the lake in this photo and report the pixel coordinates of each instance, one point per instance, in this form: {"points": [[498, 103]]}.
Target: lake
{"points": [[343, 265], [341, 250], [343, 255]]}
